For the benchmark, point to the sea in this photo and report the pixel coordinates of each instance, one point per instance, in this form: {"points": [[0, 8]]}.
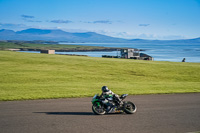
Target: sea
{"points": [[160, 52]]}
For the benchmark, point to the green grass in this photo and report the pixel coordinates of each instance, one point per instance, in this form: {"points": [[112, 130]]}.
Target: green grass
{"points": [[17, 45], [41, 76]]}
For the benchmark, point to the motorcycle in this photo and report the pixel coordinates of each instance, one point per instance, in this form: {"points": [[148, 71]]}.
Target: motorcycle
{"points": [[102, 106]]}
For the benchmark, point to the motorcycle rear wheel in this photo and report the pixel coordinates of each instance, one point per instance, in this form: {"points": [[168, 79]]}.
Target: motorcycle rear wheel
{"points": [[98, 110], [129, 107]]}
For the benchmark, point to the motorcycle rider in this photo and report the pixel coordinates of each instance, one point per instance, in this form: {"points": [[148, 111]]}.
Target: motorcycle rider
{"points": [[106, 94]]}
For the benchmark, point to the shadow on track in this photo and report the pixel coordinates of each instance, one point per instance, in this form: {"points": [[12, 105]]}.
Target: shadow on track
{"points": [[66, 113]]}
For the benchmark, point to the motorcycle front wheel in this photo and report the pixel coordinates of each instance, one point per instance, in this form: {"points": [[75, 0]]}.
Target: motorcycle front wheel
{"points": [[98, 109], [129, 107]]}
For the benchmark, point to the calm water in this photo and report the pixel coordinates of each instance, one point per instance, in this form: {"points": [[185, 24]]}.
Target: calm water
{"points": [[160, 52]]}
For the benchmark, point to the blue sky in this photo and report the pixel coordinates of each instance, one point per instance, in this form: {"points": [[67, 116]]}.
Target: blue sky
{"points": [[145, 19]]}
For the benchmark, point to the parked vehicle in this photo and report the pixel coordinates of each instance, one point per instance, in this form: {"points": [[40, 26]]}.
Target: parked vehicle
{"points": [[100, 107]]}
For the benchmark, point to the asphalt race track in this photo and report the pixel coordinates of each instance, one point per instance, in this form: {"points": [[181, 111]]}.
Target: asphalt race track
{"points": [[173, 113]]}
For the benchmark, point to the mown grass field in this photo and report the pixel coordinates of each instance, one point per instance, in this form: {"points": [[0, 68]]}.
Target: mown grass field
{"points": [[42, 76]]}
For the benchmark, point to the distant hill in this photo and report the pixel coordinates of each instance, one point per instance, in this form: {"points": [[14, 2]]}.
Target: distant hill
{"points": [[56, 35], [195, 40], [59, 35]]}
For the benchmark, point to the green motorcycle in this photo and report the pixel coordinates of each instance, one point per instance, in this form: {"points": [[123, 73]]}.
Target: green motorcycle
{"points": [[101, 106]]}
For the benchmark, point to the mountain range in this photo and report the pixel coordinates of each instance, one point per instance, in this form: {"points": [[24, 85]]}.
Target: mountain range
{"points": [[87, 37]]}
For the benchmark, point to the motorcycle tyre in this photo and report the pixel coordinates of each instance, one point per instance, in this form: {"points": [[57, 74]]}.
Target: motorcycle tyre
{"points": [[96, 112], [133, 106]]}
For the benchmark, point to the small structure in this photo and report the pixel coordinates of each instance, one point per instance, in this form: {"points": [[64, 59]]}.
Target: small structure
{"points": [[134, 54], [12, 49], [145, 57], [130, 53], [47, 51]]}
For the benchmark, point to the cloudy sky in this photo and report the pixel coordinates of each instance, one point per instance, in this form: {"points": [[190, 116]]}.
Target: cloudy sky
{"points": [[145, 19]]}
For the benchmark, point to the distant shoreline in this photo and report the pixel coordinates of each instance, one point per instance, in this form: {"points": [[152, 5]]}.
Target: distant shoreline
{"points": [[38, 46], [25, 46], [74, 50]]}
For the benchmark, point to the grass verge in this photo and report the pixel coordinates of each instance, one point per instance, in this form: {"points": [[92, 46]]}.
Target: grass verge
{"points": [[43, 76]]}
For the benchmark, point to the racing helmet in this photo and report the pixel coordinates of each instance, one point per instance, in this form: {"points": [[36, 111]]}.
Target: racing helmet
{"points": [[104, 89]]}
